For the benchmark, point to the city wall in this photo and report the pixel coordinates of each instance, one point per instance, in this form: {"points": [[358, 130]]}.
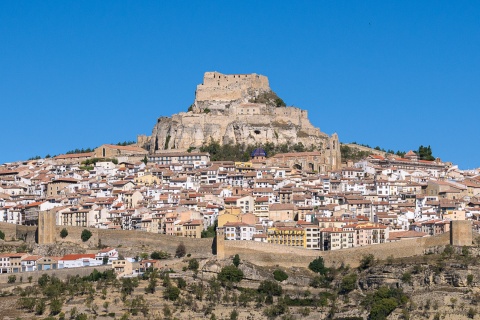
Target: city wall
{"points": [[259, 253], [59, 273], [136, 241], [15, 231], [267, 254]]}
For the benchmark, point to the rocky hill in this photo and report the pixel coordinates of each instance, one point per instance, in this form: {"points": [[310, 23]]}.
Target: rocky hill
{"points": [[238, 109]]}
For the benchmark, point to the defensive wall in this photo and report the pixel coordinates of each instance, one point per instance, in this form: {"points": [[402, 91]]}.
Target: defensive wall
{"points": [[136, 240], [259, 253], [217, 86], [16, 231], [267, 254], [59, 273]]}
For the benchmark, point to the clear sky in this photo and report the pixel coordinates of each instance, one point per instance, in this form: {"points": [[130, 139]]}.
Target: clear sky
{"points": [[394, 74]]}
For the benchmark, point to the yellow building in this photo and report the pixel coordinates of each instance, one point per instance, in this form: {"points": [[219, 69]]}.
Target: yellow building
{"points": [[147, 180], [287, 236], [192, 229], [231, 214]]}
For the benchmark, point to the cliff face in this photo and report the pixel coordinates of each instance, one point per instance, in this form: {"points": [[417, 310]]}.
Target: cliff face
{"points": [[239, 109]]}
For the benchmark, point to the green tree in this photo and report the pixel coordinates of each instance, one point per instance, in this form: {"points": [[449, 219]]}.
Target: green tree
{"points": [[2, 235], [367, 261], [425, 153], [145, 160], [230, 274], [193, 264], [349, 283], [268, 287], [158, 255], [180, 251], [56, 306], [64, 233], [236, 260], [280, 275], [86, 234], [40, 307], [318, 266], [171, 293]]}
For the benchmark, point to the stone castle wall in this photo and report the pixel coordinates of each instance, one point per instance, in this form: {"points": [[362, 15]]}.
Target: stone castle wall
{"points": [[217, 86], [136, 241], [266, 254]]}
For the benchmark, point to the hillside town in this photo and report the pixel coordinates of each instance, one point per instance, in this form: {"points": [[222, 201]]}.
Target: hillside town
{"points": [[286, 199]]}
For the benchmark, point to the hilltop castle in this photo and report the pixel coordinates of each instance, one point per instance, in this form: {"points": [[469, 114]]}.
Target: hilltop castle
{"points": [[240, 109]]}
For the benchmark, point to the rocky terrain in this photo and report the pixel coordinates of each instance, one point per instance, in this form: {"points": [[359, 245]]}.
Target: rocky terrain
{"points": [[442, 284]]}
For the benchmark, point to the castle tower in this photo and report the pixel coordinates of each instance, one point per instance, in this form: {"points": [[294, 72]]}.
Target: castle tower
{"points": [[461, 233], [46, 227], [220, 243]]}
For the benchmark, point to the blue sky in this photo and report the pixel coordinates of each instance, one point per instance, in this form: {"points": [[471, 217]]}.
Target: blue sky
{"points": [[397, 74]]}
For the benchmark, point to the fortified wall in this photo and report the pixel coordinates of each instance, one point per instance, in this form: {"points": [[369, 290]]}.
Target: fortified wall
{"points": [[266, 254], [263, 254]]}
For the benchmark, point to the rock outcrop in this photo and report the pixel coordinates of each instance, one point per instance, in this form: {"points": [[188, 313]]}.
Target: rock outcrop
{"points": [[238, 109]]}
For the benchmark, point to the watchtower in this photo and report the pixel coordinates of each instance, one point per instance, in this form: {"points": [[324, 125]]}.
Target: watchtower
{"points": [[461, 233], [46, 227], [220, 243]]}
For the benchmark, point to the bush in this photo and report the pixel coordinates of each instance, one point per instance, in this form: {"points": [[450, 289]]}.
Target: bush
{"points": [[236, 260], [318, 266], [470, 279], [280, 275], [367, 261], [180, 251], [12, 279], [171, 293], [383, 301], [193, 264], [349, 283], [2, 235], [158, 255], [230, 274], [270, 288], [407, 277], [63, 233], [86, 234]]}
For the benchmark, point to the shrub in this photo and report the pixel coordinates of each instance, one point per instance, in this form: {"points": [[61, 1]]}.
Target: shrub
{"points": [[383, 301], [171, 293], [236, 260], [159, 255], [86, 234], [55, 307], [230, 274], [407, 277], [280, 275], [64, 233], [2, 235], [471, 313], [470, 279], [193, 264], [180, 251], [367, 261], [270, 288], [318, 266], [349, 283], [12, 279]]}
